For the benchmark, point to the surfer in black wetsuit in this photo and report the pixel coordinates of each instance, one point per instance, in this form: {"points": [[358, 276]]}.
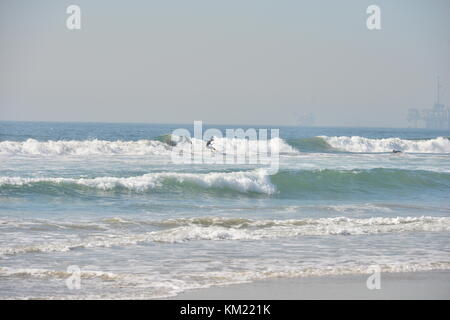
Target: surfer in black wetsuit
{"points": [[396, 151], [209, 144]]}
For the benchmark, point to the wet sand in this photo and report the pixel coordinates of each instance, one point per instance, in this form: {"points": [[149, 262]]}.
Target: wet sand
{"points": [[408, 285]]}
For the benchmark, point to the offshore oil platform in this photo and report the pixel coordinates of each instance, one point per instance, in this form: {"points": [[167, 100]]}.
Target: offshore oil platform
{"points": [[437, 117]]}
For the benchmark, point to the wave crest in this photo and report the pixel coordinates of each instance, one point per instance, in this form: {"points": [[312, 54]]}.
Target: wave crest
{"points": [[361, 144], [161, 146], [241, 181], [304, 183]]}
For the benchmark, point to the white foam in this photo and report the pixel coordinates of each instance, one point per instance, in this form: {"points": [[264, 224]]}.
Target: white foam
{"points": [[36, 272], [219, 229], [247, 146], [83, 148], [361, 144], [245, 181], [160, 285], [274, 229], [139, 147]]}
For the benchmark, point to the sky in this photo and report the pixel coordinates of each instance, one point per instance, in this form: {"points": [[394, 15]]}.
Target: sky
{"points": [[255, 62]]}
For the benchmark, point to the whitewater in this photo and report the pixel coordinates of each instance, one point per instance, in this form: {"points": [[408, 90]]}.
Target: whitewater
{"points": [[109, 199], [362, 144], [156, 147]]}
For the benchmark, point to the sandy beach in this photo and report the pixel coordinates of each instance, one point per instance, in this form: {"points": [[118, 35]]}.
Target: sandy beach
{"points": [[411, 285]]}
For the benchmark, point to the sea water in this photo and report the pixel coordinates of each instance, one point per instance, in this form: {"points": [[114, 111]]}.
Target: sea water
{"points": [[107, 200]]}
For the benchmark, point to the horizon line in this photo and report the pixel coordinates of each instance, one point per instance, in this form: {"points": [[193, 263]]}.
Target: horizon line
{"points": [[214, 124]]}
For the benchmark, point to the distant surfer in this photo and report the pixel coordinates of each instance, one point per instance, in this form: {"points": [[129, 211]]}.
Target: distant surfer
{"points": [[396, 151], [209, 144]]}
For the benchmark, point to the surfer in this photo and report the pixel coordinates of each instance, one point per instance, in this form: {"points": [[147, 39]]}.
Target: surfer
{"points": [[209, 144], [396, 151]]}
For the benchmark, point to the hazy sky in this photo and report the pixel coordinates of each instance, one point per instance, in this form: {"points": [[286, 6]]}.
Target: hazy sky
{"points": [[222, 61]]}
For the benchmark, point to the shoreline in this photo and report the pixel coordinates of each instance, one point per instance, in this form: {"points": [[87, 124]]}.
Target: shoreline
{"points": [[397, 286]]}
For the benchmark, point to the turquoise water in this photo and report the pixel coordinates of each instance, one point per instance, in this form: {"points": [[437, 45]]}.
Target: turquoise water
{"points": [[109, 199]]}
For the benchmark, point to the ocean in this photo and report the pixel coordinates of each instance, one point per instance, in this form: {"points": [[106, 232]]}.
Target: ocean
{"points": [[108, 201]]}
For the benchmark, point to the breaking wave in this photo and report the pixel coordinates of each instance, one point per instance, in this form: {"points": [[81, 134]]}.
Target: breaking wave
{"points": [[83, 148], [242, 181], [311, 184], [361, 144], [161, 146], [165, 144], [220, 229]]}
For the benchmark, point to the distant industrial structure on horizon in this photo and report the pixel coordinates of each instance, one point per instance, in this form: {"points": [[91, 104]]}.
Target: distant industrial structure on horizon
{"points": [[437, 117]]}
